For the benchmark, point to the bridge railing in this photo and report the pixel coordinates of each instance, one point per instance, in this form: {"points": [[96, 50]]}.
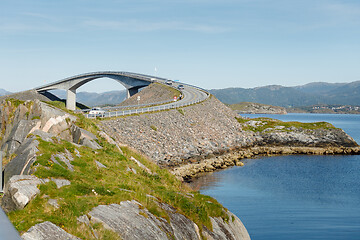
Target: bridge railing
{"points": [[128, 106], [144, 110], [144, 77]]}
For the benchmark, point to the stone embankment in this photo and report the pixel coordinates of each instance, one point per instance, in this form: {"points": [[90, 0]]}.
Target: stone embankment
{"points": [[206, 136], [179, 136]]}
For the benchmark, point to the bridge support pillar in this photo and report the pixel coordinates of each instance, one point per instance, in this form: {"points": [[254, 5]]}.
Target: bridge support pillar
{"points": [[132, 91], [71, 99]]}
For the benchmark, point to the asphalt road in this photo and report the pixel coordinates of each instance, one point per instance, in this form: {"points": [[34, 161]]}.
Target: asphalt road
{"points": [[191, 95]]}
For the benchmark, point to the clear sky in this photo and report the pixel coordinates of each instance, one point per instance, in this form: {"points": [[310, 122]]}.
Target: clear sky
{"points": [[208, 43]]}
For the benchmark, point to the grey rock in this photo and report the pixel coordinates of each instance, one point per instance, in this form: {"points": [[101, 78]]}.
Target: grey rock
{"points": [[306, 138], [19, 191], [60, 182], [131, 221], [65, 158], [54, 203], [183, 228], [83, 137], [141, 165], [110, 140], [126, 220], [83, 219], [21, 164], [129, 169], [126, 190], [43, 135], [233, 230], [47, 230], [100, 165], [90, 143], [17, 136], [77, 153]]}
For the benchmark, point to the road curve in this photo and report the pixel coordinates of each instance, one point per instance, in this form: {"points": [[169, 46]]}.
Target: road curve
{"points": [[191, 95]]}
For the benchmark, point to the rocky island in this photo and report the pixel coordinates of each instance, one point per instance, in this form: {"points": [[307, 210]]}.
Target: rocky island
{"points": [[256, 108], [77, 178]]}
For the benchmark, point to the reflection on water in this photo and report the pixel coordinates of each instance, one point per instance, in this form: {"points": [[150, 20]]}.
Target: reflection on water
{"points": [[208, 180], [294, 197], [286, 197]]}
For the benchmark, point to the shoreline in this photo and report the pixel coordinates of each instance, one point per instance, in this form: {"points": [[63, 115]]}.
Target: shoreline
{"points": [[188, 172]]}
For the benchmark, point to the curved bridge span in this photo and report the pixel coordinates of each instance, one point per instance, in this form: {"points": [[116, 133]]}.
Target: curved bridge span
{"points": [[131, 81]]}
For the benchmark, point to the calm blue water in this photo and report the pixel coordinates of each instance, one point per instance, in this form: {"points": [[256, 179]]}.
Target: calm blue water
{"points": [[295, 197]]}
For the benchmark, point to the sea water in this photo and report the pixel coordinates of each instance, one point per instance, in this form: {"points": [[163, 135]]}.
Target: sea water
{"points": [[298, 196]]}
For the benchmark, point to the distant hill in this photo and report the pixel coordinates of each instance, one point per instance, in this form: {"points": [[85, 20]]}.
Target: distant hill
{"points": [[305, 95], [316, 93], [4, 92]]}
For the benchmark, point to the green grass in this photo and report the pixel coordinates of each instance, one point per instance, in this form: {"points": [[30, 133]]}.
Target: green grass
{"points": [[269, 123], [15, 102], [172, 90], [91, 186], [181, 111]]}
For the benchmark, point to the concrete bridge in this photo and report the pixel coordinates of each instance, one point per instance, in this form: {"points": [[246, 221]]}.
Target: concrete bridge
{"points": [[131, 81]]}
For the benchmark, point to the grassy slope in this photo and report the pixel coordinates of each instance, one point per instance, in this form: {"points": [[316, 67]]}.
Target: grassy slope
{"points": [[91, 186]]}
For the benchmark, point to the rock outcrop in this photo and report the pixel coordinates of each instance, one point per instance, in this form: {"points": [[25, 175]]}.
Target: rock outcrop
{"points": [[47, 230], [21, 189], [131, 221], [22, 122], [307, 138]]}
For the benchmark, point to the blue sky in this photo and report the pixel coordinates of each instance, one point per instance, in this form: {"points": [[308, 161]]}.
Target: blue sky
{"points": [[208, 43]]}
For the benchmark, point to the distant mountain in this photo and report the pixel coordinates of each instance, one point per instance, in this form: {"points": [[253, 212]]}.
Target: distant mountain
{"points": [[4, 92], [309, 94], [319, 87]]}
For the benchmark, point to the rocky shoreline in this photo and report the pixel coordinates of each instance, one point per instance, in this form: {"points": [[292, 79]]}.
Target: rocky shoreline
{"points": [[209, 136], [190, 171]]}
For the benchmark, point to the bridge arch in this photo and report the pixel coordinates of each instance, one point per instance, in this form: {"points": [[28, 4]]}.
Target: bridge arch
{"points": [[131, 81]]}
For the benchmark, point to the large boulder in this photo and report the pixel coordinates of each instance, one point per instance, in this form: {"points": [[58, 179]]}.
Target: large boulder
{"points": [[129, 220], [132, 221], [25, 157], [17, 135], [83, 137], [47, 230], [19, 191], [230, 230]]}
